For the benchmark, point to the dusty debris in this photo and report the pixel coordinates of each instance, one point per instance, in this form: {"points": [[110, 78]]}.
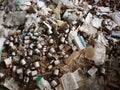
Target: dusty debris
{"points": [[58, 43]]}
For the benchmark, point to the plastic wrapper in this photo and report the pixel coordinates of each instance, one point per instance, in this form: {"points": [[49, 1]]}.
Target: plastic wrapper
{"points": [[42, 83], [16, 18], [116, 17]]}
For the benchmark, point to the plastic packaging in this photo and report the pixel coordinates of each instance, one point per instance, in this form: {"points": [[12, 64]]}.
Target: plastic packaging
{"points": [[42, 83], [19, 3]]}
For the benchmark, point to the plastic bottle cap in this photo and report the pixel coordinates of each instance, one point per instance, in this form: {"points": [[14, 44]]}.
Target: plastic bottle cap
{"points": [[57, 62], [56, 72], [14, 68], [52, 50], [50, 67], [37, 50], [31, 52], [23, 62], [49, 55], [19, 71], [51, 41], [39, 46], [54, 83], [36, 64], [34, 73], [62, 39]]}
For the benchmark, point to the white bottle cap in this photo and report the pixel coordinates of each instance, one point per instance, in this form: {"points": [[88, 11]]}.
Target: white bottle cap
{"points": [[27, 37], [31, 52], [23, 62], [36, 34], [11, 38], [37, 50], [11, 44], [14, 68], [36, 64], [31, 45], [66, 31], [61, 46], [34, 73], [51, 41], [26, 41], [13, 53], [52, 50], [62, 39], [56, 72], [49, 55], [25, 53], [54, 83], [57, 62], [19, 71], [39, 46], [50, 67], [92, 71], [16, 40], [28, 71]]}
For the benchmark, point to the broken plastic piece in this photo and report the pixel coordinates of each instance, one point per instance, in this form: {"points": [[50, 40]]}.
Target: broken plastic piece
{"points": [[116, 17]]}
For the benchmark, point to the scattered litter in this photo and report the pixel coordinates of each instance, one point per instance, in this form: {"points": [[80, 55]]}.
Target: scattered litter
{"points": [[57, 42]]}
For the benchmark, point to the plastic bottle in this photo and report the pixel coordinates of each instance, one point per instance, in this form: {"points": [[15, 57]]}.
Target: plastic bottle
{"points": [[42, 83]]}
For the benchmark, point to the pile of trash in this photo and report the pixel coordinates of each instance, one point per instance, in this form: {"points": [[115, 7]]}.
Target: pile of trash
{"points": [[60, 44]]}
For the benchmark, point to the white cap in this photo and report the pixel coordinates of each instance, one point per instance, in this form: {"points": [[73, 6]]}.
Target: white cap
{"points": [[51, 41], [14, 68], [57, 62], [36, 64], [39, 46], [11, 44], [49, 55], [26, 41], [19, 71], [54, 83], [56, 72], [23, 62], [52, 50], [13, 53], [31, 52], [62, 39], [37, 50], [50, 67], [34, 73]]}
